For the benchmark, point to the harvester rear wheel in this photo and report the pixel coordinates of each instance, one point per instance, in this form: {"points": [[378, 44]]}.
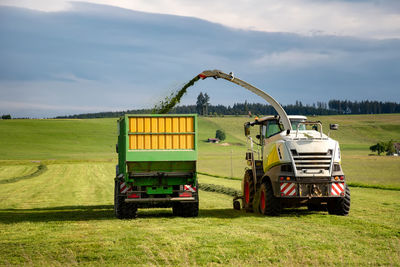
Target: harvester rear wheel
{"points": [[248, 191], [269, 204], [122, 209], [340, 206]]}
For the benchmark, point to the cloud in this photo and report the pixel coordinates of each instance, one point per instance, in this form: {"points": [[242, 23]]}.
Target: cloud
{"points": [[294, 59], [369, 18], [93, 56]]}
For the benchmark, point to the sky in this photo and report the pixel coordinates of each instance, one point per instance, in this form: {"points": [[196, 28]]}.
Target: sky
{"points": [[62, 57]]}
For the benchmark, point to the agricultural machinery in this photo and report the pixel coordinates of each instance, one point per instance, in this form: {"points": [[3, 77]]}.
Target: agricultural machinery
{"points": [[157, 157], [291, 162]]}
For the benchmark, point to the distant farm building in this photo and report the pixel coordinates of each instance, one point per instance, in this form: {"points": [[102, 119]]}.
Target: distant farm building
{"points": [[397, 148], [213, 140]]}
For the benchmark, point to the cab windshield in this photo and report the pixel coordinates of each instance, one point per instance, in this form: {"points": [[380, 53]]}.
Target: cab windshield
{"points": [[295, 125]]}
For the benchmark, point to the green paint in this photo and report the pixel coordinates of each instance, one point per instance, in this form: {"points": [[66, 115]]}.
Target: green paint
{"points": [[170, 102], [159, 190]]}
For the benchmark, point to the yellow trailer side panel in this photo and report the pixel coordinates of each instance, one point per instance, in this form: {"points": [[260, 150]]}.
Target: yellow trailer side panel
{"points": [[161, 133]]}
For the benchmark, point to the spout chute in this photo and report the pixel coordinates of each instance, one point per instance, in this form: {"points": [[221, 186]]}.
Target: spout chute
{"points": [[230, 77]]}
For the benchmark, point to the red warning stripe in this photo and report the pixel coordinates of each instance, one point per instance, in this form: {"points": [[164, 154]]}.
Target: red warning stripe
{"points": [[288, 189], [189, 188], [123, 188], [337, 189]]}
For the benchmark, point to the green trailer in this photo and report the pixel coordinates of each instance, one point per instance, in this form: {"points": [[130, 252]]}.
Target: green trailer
{"points": [[157, 157]]}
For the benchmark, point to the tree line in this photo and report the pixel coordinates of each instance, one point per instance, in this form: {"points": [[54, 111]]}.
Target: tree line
{"points": [[363, 107], [203, 107]]}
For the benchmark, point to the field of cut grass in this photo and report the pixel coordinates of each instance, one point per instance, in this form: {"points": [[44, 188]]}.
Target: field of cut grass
{"points": [[57, 139], [62, 214]]}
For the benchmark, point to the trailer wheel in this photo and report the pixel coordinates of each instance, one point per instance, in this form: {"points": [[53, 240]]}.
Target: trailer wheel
{"points": [[269, 204], [340, 206], [122, 209], [248, 191]]}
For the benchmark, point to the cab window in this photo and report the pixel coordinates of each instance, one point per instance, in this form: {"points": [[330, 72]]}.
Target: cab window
{"points": [[273, 127], [295, 125]]}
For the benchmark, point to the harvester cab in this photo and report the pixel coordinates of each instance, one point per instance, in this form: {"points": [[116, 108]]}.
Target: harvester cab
{"points": [[291, 162]]}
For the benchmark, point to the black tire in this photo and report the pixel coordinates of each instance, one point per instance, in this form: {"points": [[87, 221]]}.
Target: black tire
{"points": [[269, 204], [248, 191], [340, 206], [236, 205], [122, 209]]}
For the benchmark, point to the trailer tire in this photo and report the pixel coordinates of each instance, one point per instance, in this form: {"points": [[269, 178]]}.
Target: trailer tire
{"points": [[269, 204], [122, 209], [340, 206], [248, 191]]}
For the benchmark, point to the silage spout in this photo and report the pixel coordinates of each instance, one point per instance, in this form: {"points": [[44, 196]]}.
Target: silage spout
{"points": [[230, 77], [210, 73]]}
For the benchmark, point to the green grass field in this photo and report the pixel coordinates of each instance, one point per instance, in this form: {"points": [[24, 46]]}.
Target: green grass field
{"points": [[63, 214]]}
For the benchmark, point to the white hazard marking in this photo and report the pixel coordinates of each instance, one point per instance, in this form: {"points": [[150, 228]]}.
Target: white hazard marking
{"points": [[124, 188], [189, 188], [288, 189], [337, 189]]}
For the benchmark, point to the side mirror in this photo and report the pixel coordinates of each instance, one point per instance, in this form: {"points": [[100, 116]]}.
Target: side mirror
{"points": [[334, 126], [247, 129]]}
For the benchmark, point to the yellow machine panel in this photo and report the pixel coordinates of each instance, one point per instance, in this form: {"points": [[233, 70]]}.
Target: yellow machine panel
{"points": [[161, 133]]}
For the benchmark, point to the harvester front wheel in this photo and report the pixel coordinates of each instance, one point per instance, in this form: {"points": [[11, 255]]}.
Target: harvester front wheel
{"points": [[122, 209], [340, 206], [248, 191], [269, 204]]}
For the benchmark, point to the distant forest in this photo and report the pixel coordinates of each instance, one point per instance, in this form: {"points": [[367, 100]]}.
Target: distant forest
{"points": [[333, 107]]}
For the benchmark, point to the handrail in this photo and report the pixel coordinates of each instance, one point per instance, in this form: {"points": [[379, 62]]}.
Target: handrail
{"points": [[310, 122]]}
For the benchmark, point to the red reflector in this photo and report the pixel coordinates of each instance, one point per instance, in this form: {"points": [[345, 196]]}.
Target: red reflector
{"points": [[133, 196], [281, 178], [185, 194], [341, 178], [282, 194]]}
